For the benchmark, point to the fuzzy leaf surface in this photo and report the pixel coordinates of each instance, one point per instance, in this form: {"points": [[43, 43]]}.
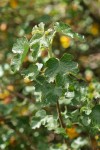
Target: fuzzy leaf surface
{"points": [[66, 30], [96, 114], [41, 39], [49, 92], [20, 49], [31, 72], [63, 66]]}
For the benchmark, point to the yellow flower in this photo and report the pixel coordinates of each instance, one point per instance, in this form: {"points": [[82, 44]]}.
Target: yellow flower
{"points": [[94, 29], [4, 94], [24, 111], [72, 133], [27, 80], [65, 41], [98, 143], [96, 137], [10, 87], [13, 3]]}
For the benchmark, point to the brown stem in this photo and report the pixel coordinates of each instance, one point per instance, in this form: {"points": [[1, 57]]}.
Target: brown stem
{"points": [[92, 145], [59, 115], [61, 122]]}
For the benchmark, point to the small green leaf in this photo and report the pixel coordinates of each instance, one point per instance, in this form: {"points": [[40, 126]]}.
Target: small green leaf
{"points": [[41, 39], [66, 30], [35, 52], [35, 123], [38, 29], [63, 66], [86, 120], [95, 114], [60, 80], [15, 63], [49, 92], [41, 118], [31, 72], [52, 67], [52, 123], [41, 113], [20, 49], [67, 57], [20, 46], [53, 95]]}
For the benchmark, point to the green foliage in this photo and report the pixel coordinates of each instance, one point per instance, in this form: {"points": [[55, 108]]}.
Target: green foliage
{"points": [[41, 118], [31, 72], [55, 82], [47, 103], [63, 66], [65, 29], [95, 114], [20, 49], [41, 39]]}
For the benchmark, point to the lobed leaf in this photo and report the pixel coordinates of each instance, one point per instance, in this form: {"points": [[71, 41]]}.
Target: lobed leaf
{"points": [[20, 49], [63, 66], [95, 115], [49, 92], [31, 72], [38, 29], [20, 46], [66, 30], [41, 118], [41, 39]]}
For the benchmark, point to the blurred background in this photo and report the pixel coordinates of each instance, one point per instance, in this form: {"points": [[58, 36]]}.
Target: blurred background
{"points": [[17, 18]]}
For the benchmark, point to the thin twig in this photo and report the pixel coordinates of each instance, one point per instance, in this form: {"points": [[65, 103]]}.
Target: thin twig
{"points": [[59, 115], [91, 144], [61, 122]]}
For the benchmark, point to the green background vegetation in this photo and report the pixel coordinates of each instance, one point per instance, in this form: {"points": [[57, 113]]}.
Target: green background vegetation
{"points": [[17, 101]]}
